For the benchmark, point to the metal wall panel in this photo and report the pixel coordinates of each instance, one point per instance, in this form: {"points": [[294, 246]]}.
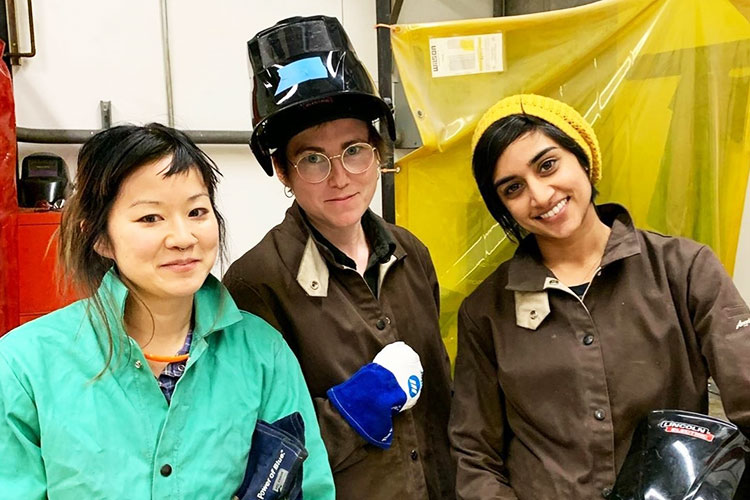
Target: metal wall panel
{"points": [[516, 7]]}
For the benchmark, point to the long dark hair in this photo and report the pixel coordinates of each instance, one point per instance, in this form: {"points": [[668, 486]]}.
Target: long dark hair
{"points": [[494, 141], [104, 162]]}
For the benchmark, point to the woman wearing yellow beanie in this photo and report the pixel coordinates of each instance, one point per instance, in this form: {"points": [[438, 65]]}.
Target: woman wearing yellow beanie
{"points": [[592, 324]]}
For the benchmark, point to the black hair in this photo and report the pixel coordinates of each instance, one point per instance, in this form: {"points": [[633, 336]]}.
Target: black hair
{"points": [[104, 163], [491, 145]]}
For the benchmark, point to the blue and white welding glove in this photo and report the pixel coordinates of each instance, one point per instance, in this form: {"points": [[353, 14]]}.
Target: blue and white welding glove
{"points": [[390, 384]]}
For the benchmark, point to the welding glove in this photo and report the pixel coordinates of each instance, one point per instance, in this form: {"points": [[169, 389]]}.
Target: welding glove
{"points": [[371, 397], [274, 466]]}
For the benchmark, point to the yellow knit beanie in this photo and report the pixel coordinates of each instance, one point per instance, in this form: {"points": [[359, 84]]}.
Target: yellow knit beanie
{"points": [[555, 112]]}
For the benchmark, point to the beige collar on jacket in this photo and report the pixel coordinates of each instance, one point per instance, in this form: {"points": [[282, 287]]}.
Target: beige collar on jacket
{"points": [[313, 274]]}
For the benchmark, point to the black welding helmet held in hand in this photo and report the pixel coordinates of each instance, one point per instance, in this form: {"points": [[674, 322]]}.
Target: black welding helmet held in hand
{"points": [[305, 72], [679, 455]]}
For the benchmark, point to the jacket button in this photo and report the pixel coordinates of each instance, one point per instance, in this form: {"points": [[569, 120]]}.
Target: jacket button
{"points": [[380, 324], [588, 339], [606, 492], [138, 363], [165, 470], [599, 414], [314, 285], [414, 454], [533, 314]]}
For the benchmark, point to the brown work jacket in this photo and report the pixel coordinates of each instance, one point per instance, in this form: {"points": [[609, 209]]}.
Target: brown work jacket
{"points": [[549, 388], [335, 325]]}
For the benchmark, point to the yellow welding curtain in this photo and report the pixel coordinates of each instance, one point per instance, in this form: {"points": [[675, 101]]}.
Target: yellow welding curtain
{"points": [[666, 84]]}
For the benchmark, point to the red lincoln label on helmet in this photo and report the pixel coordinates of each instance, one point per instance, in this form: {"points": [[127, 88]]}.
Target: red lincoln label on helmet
{"points": [[687, 429]]}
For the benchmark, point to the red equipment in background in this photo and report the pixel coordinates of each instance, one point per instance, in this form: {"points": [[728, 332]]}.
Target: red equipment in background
{"points": [[28, 249], [37, 262], [8, 205]]}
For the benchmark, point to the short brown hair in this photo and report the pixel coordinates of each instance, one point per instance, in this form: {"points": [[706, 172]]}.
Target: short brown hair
{"points": [[381, 145]]}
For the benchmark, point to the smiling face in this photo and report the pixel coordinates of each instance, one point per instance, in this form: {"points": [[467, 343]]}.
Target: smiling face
{"points": [[162, 232], [544, 187], [342, 198]]}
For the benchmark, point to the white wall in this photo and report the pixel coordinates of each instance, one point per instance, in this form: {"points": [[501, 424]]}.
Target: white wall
{"points": [[89, 50], [429, 11]]}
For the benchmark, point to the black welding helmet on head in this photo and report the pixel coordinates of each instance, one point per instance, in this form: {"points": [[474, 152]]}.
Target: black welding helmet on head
{"points": [[679, 455], [305, 72]]}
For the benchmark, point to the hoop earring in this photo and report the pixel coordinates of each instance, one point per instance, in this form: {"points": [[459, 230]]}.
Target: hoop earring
{"points": [[288, 192]]}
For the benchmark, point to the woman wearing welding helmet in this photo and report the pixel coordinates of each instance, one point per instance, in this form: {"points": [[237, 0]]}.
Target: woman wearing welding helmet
{"points": [[592, 324], [155, 384], [356, 298]]}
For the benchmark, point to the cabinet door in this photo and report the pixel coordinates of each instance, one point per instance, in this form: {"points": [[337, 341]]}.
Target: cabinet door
{"points": [[37, 261]]}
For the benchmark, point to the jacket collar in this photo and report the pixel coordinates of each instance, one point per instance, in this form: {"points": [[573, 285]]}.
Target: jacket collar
{"points": [[313, 272], [526, 273], [380, 240], [214, 307]]}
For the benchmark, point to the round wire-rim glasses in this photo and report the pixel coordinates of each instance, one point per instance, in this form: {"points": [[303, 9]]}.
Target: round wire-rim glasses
{"points": [[315, 167]]}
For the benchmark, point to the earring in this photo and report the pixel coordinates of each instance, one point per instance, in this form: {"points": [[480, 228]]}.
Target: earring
{"points": [[288, 192]]}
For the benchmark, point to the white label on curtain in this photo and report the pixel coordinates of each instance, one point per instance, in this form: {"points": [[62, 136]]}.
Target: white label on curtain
{"points": [[466, 55]]}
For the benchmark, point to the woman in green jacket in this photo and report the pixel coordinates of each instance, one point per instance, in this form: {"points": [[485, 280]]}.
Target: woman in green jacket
{"points": [[153, 385]]}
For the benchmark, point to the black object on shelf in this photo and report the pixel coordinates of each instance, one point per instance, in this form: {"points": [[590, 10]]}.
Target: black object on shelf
{"points": [[43, 181]]}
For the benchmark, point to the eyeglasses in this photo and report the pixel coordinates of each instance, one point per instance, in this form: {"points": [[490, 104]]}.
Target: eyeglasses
{"points": [[315, 167]]}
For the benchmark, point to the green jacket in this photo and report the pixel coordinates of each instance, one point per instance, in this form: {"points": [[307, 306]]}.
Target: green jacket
{"points": [[66, 435]]}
